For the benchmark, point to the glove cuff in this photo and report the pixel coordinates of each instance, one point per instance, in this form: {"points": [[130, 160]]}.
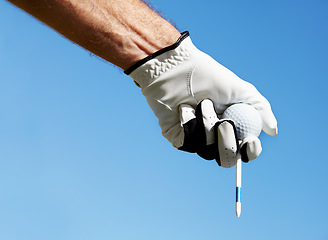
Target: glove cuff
{"points": [[149, 68], [155, 54]]}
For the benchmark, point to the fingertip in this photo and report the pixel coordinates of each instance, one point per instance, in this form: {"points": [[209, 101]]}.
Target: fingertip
{"points": [[271, 130], [187, 113], [269, 121], [275, 132], [251, 148]]}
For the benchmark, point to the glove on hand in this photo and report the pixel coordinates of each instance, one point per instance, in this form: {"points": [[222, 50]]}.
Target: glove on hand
{"points": [[176, 80]]}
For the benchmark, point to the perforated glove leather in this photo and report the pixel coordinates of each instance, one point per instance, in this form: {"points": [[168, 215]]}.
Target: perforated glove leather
{"points": [[176, 80]]}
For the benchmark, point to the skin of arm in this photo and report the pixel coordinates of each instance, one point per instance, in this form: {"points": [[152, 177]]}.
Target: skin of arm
{"points": [[120, 31]]}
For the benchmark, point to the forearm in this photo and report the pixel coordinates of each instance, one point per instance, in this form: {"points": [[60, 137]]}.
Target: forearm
{"points": [[121, 32]]}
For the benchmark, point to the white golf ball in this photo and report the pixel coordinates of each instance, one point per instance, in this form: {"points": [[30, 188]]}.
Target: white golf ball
{"points": [[246, 118]]}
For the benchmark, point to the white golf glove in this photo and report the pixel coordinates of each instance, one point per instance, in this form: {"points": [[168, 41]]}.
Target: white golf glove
{"points": [[180, 84]]}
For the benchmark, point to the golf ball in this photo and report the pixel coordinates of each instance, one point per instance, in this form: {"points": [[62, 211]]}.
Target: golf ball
{"points": [[246, 118]]}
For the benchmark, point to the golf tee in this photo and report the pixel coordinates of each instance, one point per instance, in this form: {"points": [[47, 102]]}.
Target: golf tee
{"points": [[238, 186]]}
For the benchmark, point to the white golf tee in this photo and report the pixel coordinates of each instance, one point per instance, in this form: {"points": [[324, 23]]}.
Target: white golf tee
{"points": [[238, 186]]}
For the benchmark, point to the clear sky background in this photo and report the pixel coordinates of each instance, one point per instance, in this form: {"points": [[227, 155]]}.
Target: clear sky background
{"points": [[82, 156]]}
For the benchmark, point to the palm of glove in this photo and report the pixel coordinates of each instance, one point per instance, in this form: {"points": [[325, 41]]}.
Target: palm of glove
{"points": [[176, 82]]}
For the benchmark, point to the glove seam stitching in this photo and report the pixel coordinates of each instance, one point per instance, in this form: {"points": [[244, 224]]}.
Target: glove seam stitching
{"points": [[189, 82]]}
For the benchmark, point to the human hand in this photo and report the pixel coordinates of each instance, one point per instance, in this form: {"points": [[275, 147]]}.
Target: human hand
{"points": [[176, 80]]}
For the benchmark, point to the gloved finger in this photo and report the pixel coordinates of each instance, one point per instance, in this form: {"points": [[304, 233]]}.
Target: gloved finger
{"points": [[189, 123], [206, 114], [227, 143], [250, 148], [268, 119], [187, 113], [199, 129], [207, 118]]}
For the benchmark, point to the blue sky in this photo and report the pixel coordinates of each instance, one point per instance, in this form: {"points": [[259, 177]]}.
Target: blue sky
{"points": [[82, 156]]}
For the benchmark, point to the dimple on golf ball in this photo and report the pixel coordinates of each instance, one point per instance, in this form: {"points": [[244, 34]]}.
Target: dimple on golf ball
{"points": [[247, 120]]}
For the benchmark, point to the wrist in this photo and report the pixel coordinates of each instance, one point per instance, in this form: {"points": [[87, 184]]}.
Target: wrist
{"points": [[145, 45], [155, 54]]}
